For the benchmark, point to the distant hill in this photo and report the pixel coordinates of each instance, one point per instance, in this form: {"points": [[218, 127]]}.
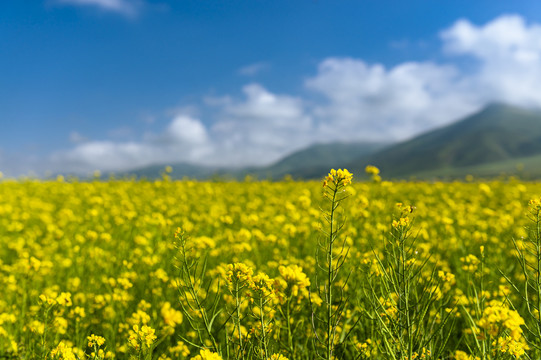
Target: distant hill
{"points": [[180, 170], [308, 163], [315, 161], [491, 141], [526, 168]]}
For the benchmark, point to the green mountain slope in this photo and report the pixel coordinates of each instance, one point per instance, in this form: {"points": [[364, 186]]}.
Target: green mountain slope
{"points": [[315, 161], [527, 168], [499, 133]]}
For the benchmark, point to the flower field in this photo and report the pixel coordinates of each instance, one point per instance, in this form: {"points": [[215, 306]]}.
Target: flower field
{"points": [[166, 269]]}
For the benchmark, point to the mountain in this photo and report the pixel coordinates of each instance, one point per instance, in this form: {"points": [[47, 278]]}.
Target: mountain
{"points": [[309, 163], [494, 138], [315, 161], [498, 139], [180, 170]]}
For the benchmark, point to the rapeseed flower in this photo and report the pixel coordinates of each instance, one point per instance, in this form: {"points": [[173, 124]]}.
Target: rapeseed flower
{"points": [[84, 255], [141, 337], [498, 317], [206, 354], [95, 340], [509, 345], [171, 317], [296, 281], [63, 352], [338, 178], [277, 357]]}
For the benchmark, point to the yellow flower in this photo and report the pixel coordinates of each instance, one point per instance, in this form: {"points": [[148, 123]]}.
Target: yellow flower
{"points": [[142, 337], [278, 357], [262, 285], [63, 352], [367, 348], [206, 354], [374, 171], [461, 355], [338, 178], [402, 222], [171, 316], [446, 277], [511, 346], [95, 340], [64, 299], [535, 204], [498, 317], [47, 300], [469, 263], [371, 169], [238, 272], [180, 348], [296, 281]]}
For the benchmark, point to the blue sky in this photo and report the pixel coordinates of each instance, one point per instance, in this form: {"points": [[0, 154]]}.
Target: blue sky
{"points": [[116, 84]]}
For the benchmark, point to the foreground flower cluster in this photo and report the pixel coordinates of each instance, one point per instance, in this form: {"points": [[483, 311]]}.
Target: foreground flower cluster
{"points": [[261, 270]]}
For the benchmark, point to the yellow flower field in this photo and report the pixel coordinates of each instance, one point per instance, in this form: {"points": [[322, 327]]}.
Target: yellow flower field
{"points": [[270, 270]]}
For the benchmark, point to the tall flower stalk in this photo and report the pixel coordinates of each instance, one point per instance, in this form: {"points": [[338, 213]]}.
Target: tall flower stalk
{"points": [[528, 257], [330, 257], [199, 308], [407, 303]]}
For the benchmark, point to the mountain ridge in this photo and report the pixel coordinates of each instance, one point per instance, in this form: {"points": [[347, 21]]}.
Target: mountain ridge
{"points": [[489, 142]]}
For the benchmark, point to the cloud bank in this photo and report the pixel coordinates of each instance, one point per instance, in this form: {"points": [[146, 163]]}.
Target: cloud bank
{"points": [[345, 99], [508, 56]]}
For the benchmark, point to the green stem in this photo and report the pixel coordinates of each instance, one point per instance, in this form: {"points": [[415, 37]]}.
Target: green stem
{"points": [[193, 292], [405, 288], [45, 328], [538, 275], [263, 342], [330, 276], [289, 334], [237, 303]]}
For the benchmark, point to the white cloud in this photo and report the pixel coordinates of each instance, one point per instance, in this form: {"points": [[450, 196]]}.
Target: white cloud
{"points": [[184, 140], [262, 105], [124, 7], [506, 37], [184, 129], [258, 128], [261, 127], [508, 56], [371, 102], [104, 155]]}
